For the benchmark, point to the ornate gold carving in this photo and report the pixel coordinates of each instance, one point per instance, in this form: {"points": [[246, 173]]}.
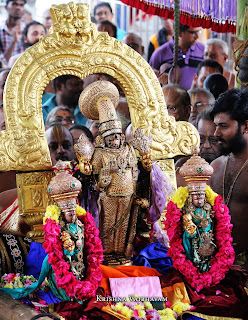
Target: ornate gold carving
{"points": [[37, 196], [34, 218], [75, 47], [33, 178], [37, 233], [33, 198]]}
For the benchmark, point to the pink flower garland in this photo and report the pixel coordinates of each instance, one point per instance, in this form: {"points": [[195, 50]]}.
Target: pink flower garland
{"points": [[222, 260], [93, 250]]}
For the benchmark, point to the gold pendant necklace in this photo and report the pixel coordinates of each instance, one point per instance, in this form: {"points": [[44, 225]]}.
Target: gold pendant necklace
{"points": [[229, 194]]}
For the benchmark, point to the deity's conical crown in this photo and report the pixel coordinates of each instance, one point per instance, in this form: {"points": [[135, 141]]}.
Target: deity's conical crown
{"points": [[196, 172], [98, 101], [64, 188]]}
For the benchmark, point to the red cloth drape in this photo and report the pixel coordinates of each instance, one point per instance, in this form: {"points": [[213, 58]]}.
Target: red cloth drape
{"points": [[185, 17]]}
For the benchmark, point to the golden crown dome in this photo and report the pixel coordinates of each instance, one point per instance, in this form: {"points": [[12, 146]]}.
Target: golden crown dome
{"points": [[63, 185], [196, 172], [99, 101], [89, 99]]}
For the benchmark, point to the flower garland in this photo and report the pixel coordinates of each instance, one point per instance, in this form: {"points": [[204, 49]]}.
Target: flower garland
{"points": [[16, 280], [144, 310], [19, 281], [93, 250], [225, 255]]}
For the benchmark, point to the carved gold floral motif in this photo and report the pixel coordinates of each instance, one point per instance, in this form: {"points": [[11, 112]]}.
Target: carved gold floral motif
{"points": [[75, 47]]}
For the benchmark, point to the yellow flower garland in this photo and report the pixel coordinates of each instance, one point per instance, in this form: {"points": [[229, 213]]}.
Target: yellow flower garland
{"points": [[165, 314], [182, 194], [53, 212], [210, 195], [180, 197]]}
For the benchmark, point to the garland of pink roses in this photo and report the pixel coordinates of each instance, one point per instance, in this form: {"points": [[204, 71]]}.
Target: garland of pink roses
{"points": [[222, 260], [93, 250]]}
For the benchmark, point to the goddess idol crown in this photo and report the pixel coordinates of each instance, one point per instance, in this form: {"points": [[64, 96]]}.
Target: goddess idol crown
{"points": [[64, 188], [196, 172]]}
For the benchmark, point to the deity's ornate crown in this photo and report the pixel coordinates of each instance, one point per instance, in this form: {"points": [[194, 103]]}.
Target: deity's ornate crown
{"points": [[63, 186], [196, 172], [98, 101]]}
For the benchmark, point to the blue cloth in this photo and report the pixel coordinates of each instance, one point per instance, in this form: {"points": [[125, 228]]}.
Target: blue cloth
{"points": [[154, 256], [187, 62], [33, 267], [49, 297], [120, 34], [35, 259], [190, 317], [46, 96], [51, 103]]}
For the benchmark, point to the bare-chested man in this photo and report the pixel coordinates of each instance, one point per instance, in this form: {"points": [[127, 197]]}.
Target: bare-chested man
{"points": [[230, 114]]}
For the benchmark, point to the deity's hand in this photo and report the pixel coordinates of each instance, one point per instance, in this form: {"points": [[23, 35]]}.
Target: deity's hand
{"points": [[188, 224], [146, 160], [85, 166], [144, 203], [190, 228], [68, 244], [105, 178]]}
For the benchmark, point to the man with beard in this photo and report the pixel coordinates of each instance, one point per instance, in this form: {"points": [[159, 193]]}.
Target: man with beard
{"points": [[230, 115], [67, 91], [10, 30], [60, 143], [30, 35]]}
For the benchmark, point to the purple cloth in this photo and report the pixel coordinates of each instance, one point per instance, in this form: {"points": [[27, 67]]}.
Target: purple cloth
{"points": [[187, 62], [161, 188], [159, 235]]}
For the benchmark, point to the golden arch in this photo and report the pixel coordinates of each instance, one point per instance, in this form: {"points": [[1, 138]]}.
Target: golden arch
{"points": [[75, 47]]}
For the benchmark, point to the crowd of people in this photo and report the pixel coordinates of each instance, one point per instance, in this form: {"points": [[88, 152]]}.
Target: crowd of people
{"points": [[204, 96]]}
